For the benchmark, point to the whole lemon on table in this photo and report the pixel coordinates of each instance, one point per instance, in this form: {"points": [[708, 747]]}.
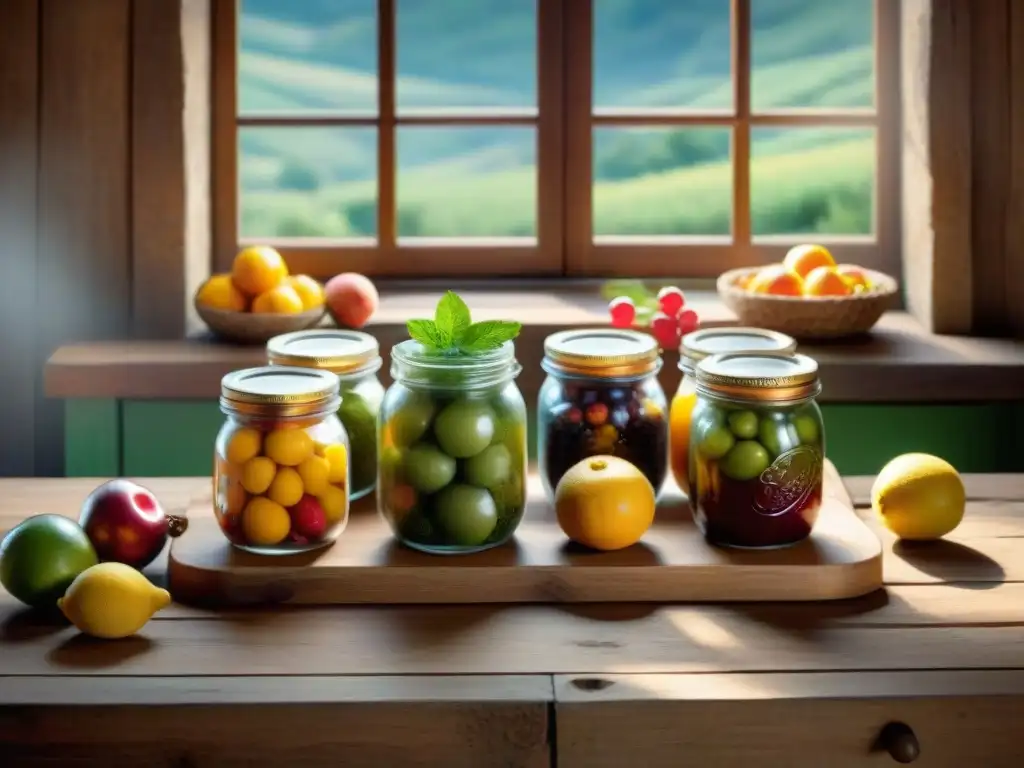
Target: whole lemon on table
{"points": [[112, 600], [919, 496], [604, 503]]}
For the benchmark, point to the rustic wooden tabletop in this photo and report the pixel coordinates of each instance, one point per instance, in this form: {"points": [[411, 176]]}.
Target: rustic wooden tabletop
{"points": [[590, 685]]}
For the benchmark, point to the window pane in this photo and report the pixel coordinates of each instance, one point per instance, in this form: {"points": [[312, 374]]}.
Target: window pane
{"points": [[467, 182], [662, 181], [466, 53], [301, 57], [308, 182], [812, 54], [812, 180], [662, 54]]}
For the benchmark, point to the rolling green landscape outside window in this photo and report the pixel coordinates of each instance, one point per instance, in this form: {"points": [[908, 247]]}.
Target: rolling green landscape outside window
{"points": [[556, 137]]}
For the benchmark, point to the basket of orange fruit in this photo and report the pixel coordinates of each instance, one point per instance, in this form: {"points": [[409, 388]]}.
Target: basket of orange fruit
{"points": [[808, 295], [258, 299]]}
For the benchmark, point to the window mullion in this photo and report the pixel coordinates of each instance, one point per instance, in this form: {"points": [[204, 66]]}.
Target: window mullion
{"points": [[578, 67], [386, 152], [741, 69]]}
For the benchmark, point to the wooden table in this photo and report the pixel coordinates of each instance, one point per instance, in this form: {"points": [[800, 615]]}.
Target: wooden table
{"points": [[940, 650]]}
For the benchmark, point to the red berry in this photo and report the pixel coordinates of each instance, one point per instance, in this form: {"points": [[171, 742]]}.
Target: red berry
{"points": [[688, 321], [597, 414], [575, 416], [308, 518], [671, 300], [623, 312], [665, 330]]}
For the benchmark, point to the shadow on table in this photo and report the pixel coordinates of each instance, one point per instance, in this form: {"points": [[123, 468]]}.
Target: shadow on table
{"points": [[24, 625], [946, 560], [84, 652]]}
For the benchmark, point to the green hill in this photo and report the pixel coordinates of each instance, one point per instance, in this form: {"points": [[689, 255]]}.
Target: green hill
{"points": [[319, 55]]}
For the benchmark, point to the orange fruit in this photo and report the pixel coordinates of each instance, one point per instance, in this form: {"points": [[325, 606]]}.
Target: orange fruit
{"points": [[282, 300], [604, 503], [219, 292], [803, 258], [776, 280], [825, 281], [258, 269], [310, 291], [855, 276]]}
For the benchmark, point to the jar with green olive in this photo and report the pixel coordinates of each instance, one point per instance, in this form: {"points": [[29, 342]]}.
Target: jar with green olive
{"points": [[757, 449], [354, 357], [452, 449]]}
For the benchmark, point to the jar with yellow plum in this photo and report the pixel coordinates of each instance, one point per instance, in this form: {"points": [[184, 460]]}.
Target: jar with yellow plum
{"points": [[757, 449], [695, 347], [354, 357], [452, 466], [281, 461], [601, 397]]}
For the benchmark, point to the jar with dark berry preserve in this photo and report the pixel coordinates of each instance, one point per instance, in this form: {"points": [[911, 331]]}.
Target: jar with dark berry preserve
{"points": [[757, 449], [601, 397], [694, 347]]}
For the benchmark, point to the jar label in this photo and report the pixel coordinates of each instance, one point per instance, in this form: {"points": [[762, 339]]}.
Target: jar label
{"points": [[789, 481]]}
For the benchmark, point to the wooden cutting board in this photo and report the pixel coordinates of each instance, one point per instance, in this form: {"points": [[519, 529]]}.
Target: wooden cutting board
{"points": [[673, 563]]}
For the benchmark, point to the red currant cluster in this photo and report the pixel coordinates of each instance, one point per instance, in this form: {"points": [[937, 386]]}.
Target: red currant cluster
{"points": [[668, 318]]}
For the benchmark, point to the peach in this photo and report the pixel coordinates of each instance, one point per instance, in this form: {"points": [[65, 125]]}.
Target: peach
{"points": [[825, 281], [351, 299], [776, 280]]}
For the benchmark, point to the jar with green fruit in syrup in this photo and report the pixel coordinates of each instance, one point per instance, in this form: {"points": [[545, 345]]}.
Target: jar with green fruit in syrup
{"points": [[452, 465], [601, 397], [281, 460], [693, 348], [757, 449], [354, 357]]}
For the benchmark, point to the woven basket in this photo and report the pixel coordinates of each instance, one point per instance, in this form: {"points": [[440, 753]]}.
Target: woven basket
{"points": [[253, 328], [824, 317]]}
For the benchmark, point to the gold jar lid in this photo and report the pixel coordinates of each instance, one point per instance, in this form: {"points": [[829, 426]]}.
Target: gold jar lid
{"points": [[277, 390], [601, 353], [697, 345], [336, 350], [758, 377]]}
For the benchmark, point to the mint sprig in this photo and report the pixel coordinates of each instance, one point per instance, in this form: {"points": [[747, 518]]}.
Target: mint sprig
{"points": [[453, 331]]}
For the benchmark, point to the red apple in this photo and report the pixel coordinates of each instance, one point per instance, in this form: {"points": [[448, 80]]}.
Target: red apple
{"points": [[126, 523]]}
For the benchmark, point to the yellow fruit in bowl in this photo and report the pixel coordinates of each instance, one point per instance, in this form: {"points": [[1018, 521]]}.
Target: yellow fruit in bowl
{"points": [[825, 281], [776, 280], [309, 290], [919, 497], [258, 269], [219, 292], [282, 300], [604, 503], [802, 259], [855, 276]]}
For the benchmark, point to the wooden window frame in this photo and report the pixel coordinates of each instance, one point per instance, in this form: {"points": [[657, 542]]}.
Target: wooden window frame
{"points": [[564, 122]]}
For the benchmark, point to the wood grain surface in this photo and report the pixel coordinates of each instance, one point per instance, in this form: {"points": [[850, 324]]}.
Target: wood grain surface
{"points": [[841, 559]]}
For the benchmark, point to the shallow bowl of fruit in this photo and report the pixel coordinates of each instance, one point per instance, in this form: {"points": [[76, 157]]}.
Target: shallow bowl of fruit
{"points": [[259, 299], [809, 295]]}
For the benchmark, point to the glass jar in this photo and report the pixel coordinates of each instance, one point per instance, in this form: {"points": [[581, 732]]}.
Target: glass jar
{"points": [[452, 437], [601, 397], [355, 358], [281, 461], [757, 449], [695, 347]]}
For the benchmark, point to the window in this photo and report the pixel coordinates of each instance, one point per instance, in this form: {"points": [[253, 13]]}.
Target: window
{"points": [[555, 137]]}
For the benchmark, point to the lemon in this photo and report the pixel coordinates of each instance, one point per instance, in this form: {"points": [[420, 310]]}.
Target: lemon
{"points": [[289, 447], [919, 496], [604, 503], [286, 489], [112, 600], [243, 445], [257, 474], [334, 503]]}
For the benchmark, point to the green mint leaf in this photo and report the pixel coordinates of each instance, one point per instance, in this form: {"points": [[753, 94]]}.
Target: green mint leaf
{"points": [[488, 335], [426, 333], [451, 317]]}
